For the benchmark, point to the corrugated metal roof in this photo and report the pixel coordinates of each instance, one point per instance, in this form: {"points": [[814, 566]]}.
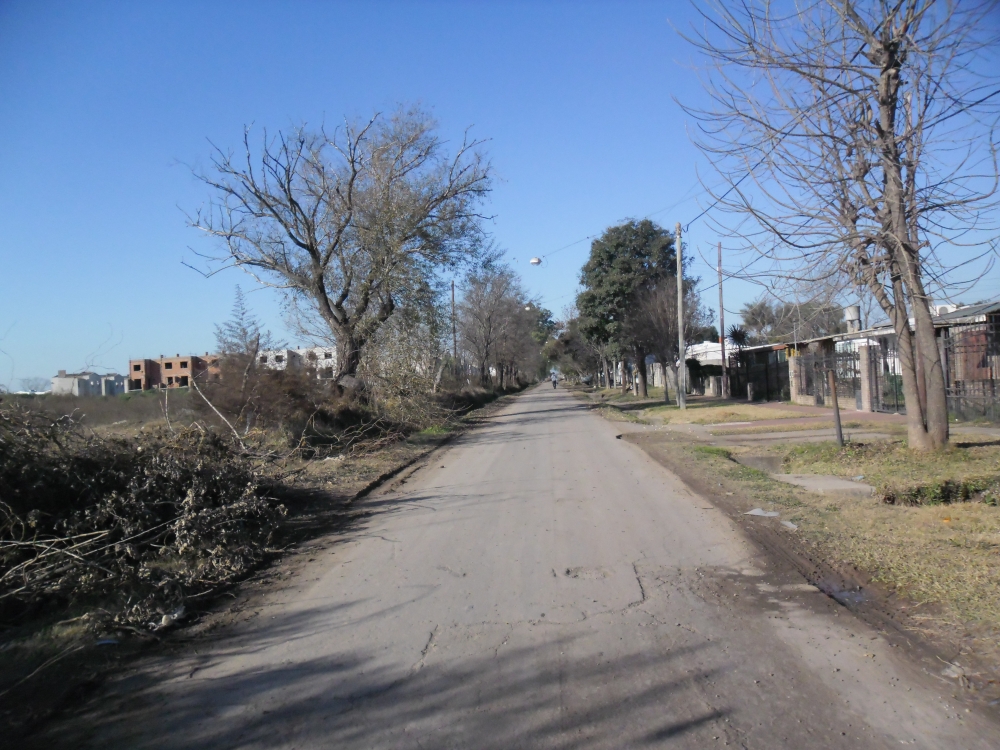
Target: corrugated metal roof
{"points": [[969, 311]]}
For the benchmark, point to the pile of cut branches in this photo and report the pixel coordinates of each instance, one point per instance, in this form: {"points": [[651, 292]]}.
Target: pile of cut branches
{"points": [[124, 529]]}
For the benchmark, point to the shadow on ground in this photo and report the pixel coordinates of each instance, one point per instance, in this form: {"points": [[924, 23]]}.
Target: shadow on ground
{"points": [[353, 699]]}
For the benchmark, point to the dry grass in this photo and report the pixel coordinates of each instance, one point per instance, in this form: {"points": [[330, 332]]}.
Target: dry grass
{"points": [[615, 395], [612, 414], [711, 412], [899, 475], [815, 425], [945, 555], [144, 407]]}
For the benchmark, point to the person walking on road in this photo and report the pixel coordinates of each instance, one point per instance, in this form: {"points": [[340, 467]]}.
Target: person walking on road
{"points": [[555, 379]]}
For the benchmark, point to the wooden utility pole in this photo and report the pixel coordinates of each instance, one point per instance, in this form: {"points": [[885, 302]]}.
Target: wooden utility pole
{"points": [[681, 368], [454, 330], [724, 391]]}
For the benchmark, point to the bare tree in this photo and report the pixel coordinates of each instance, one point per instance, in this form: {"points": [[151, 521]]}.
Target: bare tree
{"points": [[35, 385], [351, 224], [501, 328], [867, 130], [654, 322], [484, 314], [403, 362]]}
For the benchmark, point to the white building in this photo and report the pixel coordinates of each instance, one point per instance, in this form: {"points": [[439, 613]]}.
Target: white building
{"points": [[322, 359], [87, 384], [707, 352]]}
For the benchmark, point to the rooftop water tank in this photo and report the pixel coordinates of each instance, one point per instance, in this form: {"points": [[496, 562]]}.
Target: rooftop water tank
{"points": [[852, 316]]}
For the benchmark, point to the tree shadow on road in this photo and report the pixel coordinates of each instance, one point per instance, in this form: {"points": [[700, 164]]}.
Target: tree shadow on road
{"points": [[499, 697]]}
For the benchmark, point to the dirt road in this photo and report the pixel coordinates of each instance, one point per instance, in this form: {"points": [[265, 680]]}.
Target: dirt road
{"points": [[540, 584]]}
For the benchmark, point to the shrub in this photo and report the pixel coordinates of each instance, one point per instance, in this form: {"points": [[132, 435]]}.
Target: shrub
{"points": [[128, 527]]}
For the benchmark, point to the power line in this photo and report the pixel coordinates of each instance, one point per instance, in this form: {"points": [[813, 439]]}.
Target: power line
{"points": [[651, 214]]}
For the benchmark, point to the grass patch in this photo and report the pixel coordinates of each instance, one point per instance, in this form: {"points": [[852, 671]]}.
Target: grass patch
{"points": [[435, 430], [713, 450], [946, 555], [615, 396], [815, 425], [618, 415], [904, 477], [715, 412]]}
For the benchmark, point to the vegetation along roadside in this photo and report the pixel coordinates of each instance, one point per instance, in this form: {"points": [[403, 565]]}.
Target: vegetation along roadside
{"points": [[117, 531]]}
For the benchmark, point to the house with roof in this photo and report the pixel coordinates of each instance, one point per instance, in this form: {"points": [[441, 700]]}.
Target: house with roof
{"points": [[867, 367]]}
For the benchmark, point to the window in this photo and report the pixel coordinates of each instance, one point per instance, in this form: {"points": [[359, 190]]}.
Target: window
{"points": [[311, 355], [137, 368], [170, 381], [182, 381], [184, 365], [278, 358], [327, 355], [263, 358], [168, 365]]}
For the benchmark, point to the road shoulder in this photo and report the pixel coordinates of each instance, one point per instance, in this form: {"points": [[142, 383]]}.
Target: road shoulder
{"points": [[969, 676]]}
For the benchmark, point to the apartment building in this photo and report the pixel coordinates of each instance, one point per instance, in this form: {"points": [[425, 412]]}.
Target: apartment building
{"points": [[171, 372]]}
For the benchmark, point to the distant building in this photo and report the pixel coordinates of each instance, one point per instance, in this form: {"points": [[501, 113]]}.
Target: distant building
{"points": [[87, 384], [709, 353], [112, 385], [76, 384], [170, 372], [322, 359]]}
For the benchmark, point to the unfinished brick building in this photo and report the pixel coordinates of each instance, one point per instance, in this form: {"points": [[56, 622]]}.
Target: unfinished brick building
{"points": [[171, 372]]}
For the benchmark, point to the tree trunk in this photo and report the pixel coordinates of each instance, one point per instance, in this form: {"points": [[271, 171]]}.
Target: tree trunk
{"points": [[669, 381], [640, 370], [624, 378], [935, 401], [348, 361], [923, 377], [607, 372]]}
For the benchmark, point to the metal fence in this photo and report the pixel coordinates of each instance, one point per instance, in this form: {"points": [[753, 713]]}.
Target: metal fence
{"points": [[768, 378], [885, 379], [971, 357], [813, 381]]}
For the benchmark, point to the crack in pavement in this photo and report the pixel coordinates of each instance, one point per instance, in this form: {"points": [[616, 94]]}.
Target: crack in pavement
{"points": [[642, 590], [423, 652]]}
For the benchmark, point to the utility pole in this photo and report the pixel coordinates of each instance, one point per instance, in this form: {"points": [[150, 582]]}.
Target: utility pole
{"points": [[722, 332], [454, 331], [681, 369]]}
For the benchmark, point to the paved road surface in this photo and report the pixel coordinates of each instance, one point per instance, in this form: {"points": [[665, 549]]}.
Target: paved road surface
{"points": [[541, 585]]}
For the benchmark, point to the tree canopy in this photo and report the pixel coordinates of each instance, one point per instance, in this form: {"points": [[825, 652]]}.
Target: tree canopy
{"points": [[625, 261], [352, 224], [769, 322]]}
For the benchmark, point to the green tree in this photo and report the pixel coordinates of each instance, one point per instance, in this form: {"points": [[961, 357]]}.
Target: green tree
{"points": [[625, 261], [241, 335], [570, 352], [783, 322]]}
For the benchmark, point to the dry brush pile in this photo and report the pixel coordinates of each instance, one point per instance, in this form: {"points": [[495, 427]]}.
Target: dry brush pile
{"points": [[125, 530]]}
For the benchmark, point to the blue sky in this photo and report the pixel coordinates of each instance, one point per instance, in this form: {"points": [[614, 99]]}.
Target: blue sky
{"points": [[105, 108]]}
